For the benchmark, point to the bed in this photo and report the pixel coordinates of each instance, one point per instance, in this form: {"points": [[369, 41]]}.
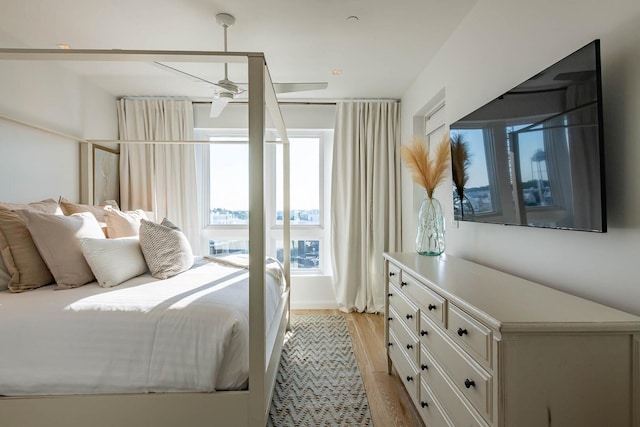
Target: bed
{"points": [[189, 332], [154, 400]]}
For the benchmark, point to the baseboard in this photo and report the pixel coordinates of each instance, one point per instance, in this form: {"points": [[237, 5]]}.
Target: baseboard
{"points": [[313, 305]]}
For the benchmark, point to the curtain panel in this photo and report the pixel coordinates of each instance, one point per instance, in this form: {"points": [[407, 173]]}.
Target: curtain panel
{"points": [[160, 177], [365, 207]]}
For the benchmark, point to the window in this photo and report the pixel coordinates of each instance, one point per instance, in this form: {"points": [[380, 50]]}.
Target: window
{"points": [[229, 181], [225, 187], [305, 188]]}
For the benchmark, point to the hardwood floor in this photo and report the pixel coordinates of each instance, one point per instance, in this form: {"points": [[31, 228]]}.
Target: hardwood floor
{"points": [[389, 402]]}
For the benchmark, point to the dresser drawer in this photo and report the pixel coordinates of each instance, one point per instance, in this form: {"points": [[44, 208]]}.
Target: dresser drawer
{"points": [[406, 369], [407, 311], [469, 333], [428, 301], [431, 411], [394, 274], [406, 339], [455, 405], [470, 378]]}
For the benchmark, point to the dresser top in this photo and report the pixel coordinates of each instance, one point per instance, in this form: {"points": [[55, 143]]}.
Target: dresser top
{"points": [[507, 302]]}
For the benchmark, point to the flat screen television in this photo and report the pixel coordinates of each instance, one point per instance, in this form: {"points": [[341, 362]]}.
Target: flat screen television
{"points": [[534, 155]]}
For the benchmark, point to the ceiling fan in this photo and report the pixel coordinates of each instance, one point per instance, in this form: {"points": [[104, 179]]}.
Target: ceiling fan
{"points": [[226, 90]]}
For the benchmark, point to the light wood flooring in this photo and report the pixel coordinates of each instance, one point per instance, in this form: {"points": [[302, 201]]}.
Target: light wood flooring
{"points": [[389, 403]]}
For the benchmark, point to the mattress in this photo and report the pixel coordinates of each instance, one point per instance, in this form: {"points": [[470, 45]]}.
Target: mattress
{"points": [[186, 333]]}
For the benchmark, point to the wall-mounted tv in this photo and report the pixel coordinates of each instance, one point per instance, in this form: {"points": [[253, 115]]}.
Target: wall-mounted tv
{"points": [[534, 155]]}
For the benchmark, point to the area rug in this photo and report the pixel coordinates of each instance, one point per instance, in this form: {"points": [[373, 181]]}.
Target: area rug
{"points": [[318, 382]]}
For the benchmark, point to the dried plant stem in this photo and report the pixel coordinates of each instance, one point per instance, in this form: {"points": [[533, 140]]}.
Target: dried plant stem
{"points": [[426, 172]]}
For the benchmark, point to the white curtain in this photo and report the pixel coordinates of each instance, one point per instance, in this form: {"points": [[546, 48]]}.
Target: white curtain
{"points": [[160, 177], [365, 207]]}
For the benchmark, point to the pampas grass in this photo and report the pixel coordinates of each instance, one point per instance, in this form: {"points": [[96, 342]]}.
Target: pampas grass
{"points": [[426, 172], [460, 162]]}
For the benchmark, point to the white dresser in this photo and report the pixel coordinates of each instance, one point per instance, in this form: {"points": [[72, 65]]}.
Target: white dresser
{"points": [[477, 347]]}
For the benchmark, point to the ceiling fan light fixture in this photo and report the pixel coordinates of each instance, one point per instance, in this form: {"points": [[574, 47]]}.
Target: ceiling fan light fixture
{"points": [[219, 102]]}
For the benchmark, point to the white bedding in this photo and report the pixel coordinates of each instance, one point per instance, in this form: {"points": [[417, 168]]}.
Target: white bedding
{"points": [[186, 333]]}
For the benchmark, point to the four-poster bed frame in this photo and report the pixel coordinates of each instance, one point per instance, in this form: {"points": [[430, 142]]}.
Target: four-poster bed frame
{"points": [[224, 408]]}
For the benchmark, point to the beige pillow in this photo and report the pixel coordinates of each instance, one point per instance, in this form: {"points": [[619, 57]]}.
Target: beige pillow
{"points": [[26, 268], [166, 251], [113, 261], [122, 224], [49, 206], [70, 208], [58, 238], [4, 276]]}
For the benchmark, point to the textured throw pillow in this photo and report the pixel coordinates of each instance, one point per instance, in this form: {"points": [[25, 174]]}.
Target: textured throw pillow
{"points": [[57, 238], [26, 268], [169, 224], [122, 224], [48, 206], [113, 261], [70, 208], [166, 251]]}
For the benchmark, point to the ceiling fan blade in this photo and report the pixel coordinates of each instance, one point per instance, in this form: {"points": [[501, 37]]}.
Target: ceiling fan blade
{"points": [[299, 87], [183, 73], [217, 106]]}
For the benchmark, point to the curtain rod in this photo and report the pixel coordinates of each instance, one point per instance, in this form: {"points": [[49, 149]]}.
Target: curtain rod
{"points": [[41, 128], [309, 102]]}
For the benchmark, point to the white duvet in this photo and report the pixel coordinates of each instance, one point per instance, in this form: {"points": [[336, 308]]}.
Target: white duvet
{"points": [[186, 333]]}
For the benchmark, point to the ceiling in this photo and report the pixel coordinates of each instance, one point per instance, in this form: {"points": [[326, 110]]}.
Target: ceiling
{"points": [[379, 53]]}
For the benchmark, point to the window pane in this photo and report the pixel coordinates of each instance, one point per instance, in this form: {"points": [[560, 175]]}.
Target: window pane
{"points": [[305, 254], [229, 185], [226, 247], [305, 181]]}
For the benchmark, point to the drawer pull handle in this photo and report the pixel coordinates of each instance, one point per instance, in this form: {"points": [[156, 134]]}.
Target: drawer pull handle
{"points": [[403, 284], [432, 307], [409, 316], [409, 346], [469, 383], [391, 274], [424, 404], [424, 367], [462, 332], [389, 295], [389, 319], [423, 332], [390, 344], [409, 378]]}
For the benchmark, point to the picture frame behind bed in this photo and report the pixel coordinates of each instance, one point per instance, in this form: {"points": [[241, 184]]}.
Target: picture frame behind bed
{"points": [[106, 174]]}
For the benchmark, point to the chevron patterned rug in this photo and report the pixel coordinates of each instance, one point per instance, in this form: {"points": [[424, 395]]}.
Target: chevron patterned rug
{"points": [[318, 382]]}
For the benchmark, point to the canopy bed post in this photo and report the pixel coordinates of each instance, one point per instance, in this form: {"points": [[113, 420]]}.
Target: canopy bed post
{"points": [[257, 332]]}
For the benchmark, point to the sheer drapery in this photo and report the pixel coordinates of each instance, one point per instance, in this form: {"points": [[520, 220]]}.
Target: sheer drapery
{"points": [[365, 207], [160, 177]]}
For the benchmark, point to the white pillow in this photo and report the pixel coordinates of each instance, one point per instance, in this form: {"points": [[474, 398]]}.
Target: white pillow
{"points": [[113, 261], [123, 224], [166, 251], [57, 238]]}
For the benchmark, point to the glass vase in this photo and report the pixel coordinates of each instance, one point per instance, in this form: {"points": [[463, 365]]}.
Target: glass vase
{"points": [[430, 238]]}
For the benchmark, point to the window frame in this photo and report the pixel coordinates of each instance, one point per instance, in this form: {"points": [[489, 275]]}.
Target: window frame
{"points": [[298, 232]]}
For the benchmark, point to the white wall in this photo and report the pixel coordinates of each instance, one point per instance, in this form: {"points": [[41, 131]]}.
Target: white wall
{"points": [[498, 45], [34, 164], [307, 291]]}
